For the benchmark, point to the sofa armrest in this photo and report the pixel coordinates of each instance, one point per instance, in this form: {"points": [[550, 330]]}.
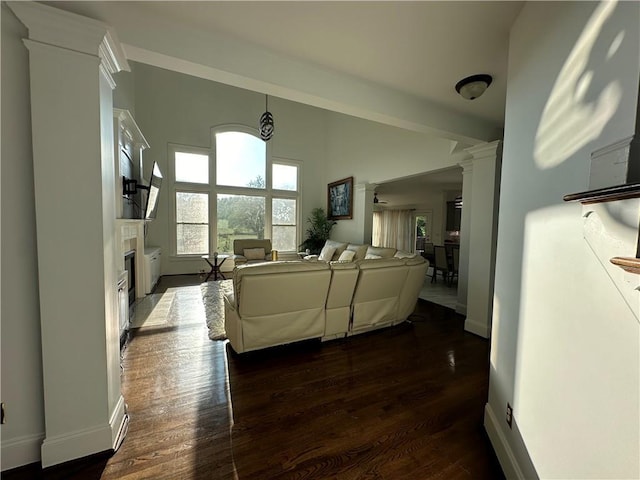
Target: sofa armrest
{"points": [[229, 299], [238, 259]]}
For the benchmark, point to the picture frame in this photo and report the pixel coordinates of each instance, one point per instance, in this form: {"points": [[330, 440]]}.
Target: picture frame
{"points": [[340, 199]]}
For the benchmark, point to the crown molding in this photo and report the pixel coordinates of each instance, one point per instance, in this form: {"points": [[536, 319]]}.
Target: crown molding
{"points": [[52, 26]]}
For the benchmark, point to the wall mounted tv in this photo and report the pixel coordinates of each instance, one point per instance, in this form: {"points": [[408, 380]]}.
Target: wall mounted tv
{"points": [[130, 188], [153, 191]]}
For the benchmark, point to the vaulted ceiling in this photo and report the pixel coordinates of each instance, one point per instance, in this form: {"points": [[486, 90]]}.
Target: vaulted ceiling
{"points": [[392, 62]]}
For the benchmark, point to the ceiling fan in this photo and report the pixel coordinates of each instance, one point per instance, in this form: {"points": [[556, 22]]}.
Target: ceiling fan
{"points": [[375, 198]]}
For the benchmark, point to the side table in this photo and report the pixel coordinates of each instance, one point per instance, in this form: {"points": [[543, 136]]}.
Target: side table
{"points": [[215, 266]]}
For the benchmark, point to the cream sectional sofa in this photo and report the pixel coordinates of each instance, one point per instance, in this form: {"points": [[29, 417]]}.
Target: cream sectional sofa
{"points": [[276, 303]]}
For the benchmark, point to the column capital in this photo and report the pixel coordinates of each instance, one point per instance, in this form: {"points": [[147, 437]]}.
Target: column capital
{"points": [[366, 187], [467, 166], [58, 28], [485, 150]]}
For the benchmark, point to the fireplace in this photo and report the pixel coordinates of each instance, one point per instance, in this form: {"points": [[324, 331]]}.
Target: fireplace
{"points": [[130, 267]]}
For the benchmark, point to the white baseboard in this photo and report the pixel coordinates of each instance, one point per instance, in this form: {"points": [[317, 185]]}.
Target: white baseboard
{"points": [[119, 422], [478, 328], [82, 443], [21, 451], [511, 467]]}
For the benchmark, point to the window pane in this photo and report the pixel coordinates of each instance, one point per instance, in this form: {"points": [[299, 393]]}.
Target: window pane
{"points": [[192, 167], [192, 207], [192, 239], [240, 160], [284, 238], [285, 177], [239, 216], [283, 211]]}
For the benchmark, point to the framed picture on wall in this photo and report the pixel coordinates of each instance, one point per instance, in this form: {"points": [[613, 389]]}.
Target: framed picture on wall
{"points": [[340, 199]]}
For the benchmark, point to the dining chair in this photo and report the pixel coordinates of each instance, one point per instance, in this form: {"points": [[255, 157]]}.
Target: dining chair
{"points": [[429, 252], [440, 264], [456, 262]]}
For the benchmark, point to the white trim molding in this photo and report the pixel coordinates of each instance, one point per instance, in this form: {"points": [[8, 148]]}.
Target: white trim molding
{"points": [[20, 451], [479, 328], [52, 26], [512, 468]]}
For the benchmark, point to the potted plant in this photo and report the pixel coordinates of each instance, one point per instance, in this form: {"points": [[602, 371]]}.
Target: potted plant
{"points": [[318, 232]]}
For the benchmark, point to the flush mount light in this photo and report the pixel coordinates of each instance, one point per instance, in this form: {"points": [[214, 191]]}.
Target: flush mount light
{"points": [[473, 86], [266, 122]]}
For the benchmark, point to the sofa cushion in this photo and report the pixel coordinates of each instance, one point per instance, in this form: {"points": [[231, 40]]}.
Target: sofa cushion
{"points": [[271, 268], [254, 253], [347, 256], [371, 256], [402, 254], [340, 247], [382, 252], [379, 263], [360, 250], [415, 260], [326, 254]]}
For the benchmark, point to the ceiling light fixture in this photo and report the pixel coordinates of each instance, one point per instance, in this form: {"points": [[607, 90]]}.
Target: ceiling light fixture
{"points": [[266, 122], [473, 86]]}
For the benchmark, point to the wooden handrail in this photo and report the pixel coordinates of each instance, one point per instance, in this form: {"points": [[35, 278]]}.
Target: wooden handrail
{"points": [[608, 194], [628, 264]]}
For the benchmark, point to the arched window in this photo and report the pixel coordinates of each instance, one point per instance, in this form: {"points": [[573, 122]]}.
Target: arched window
{"points": [[235, 190]]}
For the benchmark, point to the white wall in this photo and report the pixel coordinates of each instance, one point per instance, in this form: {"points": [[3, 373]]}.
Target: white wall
{"points": [[180, 109], [124, 93], [373, 153], [22, 390], [565, 347]]}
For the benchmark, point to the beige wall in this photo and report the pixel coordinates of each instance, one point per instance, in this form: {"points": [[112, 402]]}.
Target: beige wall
{"points": [[565, 346], [22, 390]]}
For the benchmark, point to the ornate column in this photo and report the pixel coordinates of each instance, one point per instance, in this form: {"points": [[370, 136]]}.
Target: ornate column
{"points": [[363, 210], [483, 226], [465, 234], [71, 60]]}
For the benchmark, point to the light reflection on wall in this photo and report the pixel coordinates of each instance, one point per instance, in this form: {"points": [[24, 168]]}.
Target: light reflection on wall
{"points": [[569, 120]]}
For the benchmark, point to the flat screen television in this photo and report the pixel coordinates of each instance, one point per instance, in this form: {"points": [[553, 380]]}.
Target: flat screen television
{"points": [[153, 191]]}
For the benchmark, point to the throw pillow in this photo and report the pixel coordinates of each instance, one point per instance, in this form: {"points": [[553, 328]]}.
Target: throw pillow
{"points": [[371, 256], [254, 253], [361, 250], [401, 254], [346, 256], [327, 253]]}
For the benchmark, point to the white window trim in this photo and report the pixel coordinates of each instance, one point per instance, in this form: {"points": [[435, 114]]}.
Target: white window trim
{"points": [[214, 190], [175, 186]]}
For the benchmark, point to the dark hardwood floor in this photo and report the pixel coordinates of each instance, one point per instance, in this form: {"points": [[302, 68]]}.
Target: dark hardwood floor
{"points": [[401, 403]]}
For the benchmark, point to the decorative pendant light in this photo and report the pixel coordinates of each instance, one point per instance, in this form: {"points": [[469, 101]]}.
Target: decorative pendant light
{"points": [[266, 122]]}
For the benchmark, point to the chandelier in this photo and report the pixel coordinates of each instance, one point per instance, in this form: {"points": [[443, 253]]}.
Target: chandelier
{"points": [[266, 122]]}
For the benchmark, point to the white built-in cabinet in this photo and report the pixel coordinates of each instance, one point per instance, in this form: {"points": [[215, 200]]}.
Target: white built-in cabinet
{"points": [[151, 267]]}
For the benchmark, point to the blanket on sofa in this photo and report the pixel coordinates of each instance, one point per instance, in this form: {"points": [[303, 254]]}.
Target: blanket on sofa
{"points": [[212, 298]]}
